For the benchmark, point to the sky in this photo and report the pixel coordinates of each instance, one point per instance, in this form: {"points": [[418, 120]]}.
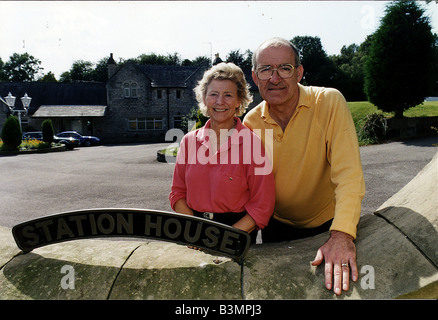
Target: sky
{"points": [[61, 32]]}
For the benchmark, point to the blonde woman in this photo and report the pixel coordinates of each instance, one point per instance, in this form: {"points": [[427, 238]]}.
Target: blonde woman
{"points": [[216, 174]]}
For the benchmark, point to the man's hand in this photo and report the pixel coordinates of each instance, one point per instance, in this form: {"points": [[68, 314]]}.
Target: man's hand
{"points": [[339, 253]]}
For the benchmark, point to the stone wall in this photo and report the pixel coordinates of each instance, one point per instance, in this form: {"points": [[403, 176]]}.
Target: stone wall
{"points": [[397, 256], [412, 127]]}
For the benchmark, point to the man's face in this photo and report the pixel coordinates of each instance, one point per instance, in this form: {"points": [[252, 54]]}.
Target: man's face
{"points": [[277, 91]]}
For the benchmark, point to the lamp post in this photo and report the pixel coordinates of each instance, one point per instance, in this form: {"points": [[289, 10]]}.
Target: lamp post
{"points": [[10, 101]]}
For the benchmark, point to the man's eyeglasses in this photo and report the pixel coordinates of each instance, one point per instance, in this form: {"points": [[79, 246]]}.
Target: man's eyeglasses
{"points": [[284, 71]]}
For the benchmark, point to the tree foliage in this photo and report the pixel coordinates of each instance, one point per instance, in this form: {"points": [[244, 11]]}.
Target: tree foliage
{"points": [[244, 60], [47, 131], [22, 68], [11, 133], [318, 68], [400, 64], [351, 62], [2, 72], [48, 77]]}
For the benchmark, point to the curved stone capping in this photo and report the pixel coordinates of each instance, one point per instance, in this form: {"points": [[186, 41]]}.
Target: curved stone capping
{"points": [[396, 256]]}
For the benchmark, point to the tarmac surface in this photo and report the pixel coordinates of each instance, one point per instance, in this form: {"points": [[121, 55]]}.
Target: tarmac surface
{"points": [[129, 176]]}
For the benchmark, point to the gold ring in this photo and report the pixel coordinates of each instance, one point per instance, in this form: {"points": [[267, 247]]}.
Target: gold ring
{"points": [[344, 265]]}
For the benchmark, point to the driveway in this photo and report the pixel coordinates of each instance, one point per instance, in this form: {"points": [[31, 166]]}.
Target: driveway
{"points": [[128, 176], [389, 167]]}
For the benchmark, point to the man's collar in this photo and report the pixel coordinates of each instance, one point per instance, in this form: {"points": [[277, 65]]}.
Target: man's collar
{"points": [[303, 101]]}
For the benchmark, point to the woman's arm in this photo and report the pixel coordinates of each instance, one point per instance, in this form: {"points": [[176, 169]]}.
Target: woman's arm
{"points": [[246, 224], [182, 207]]}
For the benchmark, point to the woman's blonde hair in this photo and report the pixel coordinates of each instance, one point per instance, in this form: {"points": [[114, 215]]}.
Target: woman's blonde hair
{"points": [[224, 71]]}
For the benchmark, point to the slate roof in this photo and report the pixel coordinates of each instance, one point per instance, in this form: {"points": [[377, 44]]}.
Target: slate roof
{"points": [[56, 93], [178, 76], [170, 76], [69, 111]]}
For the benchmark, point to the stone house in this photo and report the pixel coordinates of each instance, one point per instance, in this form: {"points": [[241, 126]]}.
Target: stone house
{"points": [[144, 101], [138, 103]]}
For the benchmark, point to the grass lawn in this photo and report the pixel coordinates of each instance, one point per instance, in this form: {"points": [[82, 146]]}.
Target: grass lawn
{"points": [[360, 109]]}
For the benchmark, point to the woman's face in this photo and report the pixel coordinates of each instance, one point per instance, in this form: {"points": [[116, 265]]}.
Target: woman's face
{"points": [[222, 101]]}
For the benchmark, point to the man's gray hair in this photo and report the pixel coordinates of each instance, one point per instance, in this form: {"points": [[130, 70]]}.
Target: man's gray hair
{"points": [[276, 42]]}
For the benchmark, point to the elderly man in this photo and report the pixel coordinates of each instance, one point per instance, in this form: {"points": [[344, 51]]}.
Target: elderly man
{"points": [[316, 160]]}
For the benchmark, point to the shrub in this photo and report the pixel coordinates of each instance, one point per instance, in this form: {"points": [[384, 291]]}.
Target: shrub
{"points": [[47, 129], [373, 130], [30, 144], [196, 116], [11, 134]]}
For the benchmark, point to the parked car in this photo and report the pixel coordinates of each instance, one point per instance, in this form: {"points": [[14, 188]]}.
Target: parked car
{"points": [[69, 142], [83, 140], [38, 135]]}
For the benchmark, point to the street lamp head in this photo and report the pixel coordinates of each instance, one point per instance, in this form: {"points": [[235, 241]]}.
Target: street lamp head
{"points": [[10, 101], [26, 101]]}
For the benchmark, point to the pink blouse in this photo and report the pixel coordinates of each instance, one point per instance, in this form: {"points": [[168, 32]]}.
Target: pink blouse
{"points": [[236, 178]]}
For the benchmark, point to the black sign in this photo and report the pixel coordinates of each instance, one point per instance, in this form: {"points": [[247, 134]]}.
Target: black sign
{"points": [[161, 225]]}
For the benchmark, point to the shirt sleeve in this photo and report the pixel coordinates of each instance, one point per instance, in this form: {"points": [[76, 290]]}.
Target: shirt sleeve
{"points": [[346, 168], [261, 184], [179, 188]]}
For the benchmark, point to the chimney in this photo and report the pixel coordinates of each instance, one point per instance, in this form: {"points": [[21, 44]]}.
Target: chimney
{"points": [[112, 66]]}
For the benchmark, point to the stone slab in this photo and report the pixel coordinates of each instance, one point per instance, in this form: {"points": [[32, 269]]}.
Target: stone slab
{"points": [[414, 210], [38, 274], [161, 270], [389, 266], [8, 248]]}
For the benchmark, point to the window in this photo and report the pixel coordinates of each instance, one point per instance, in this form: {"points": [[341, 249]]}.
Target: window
{"points": [[154, 124], [130, 90], [133, 90], [159, 94], [142, 124], [178, 94], [126, 90]]}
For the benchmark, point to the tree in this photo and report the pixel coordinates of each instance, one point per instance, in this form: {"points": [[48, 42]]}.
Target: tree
{"points": [[100, 71], [158, 59], [201, 60], [47, 130], [319, 70], [351, 62], [22, 67], [11, 134], [48, 77], [2, 73], [80, 71], [86, 71], [399, 67], [239, 59]]}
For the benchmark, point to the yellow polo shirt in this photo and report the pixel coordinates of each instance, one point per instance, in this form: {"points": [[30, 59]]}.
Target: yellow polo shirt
{"points": [[316, 161]]}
